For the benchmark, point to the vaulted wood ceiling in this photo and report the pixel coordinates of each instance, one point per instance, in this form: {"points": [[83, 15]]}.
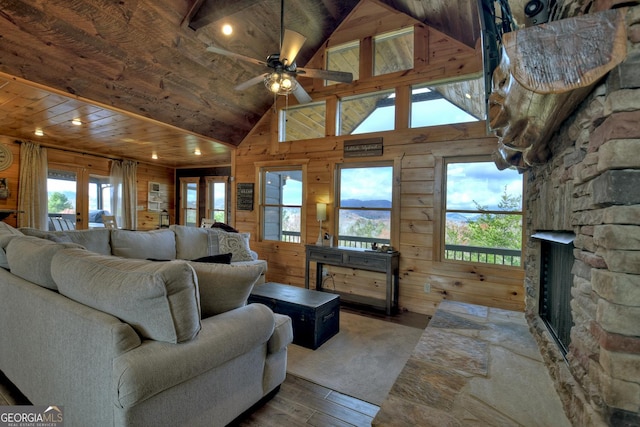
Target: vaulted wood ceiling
{"points": [[138, 74]]}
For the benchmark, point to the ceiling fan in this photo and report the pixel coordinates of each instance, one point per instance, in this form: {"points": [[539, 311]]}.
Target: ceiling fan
{"points": [[282, 79]]}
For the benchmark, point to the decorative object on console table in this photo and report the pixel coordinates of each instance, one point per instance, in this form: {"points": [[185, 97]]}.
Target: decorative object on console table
{"points": [[315, 316], [321, 215], [163, 219], [383, 262]]}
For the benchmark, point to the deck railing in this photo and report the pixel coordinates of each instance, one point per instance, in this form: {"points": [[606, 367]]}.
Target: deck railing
{"points": [[496, 256]]}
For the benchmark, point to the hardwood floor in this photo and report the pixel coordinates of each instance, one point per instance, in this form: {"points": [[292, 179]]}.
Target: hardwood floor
{"points": [[303, 403]]}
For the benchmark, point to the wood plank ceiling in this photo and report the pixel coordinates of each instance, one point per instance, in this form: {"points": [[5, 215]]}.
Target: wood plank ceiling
{"points": [[140, 79]]}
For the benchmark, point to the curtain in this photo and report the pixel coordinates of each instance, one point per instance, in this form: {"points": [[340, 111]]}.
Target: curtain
{"points": [[124, 193], [32, 191]]}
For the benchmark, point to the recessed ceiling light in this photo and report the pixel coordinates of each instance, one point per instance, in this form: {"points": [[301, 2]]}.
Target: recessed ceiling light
{"points": [[227, 29], [76, 122], [467, 95], [39, 132], [154, 156], [197, 152]]}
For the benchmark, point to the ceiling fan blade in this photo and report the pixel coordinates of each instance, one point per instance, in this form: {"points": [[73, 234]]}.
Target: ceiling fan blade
{"points": [[251, 82], [225, 52], [291, 45], [301, 95], [335, 76]]}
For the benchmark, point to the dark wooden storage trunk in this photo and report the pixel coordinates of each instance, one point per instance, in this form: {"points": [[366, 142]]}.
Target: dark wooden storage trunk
{"points": [[315, 315]]}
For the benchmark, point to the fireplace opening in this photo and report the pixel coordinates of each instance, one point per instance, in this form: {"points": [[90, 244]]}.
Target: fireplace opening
{"points": [[556, 251]]}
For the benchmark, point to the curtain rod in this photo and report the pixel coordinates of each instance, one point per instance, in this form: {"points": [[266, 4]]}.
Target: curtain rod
{"points": [[69, 150]]}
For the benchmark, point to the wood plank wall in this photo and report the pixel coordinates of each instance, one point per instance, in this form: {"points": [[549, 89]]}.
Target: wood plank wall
{"points": [[96, 165], [419, 152]]}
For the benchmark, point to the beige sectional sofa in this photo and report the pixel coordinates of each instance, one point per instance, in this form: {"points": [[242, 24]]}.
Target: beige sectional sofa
{"points": [[120, 341]]}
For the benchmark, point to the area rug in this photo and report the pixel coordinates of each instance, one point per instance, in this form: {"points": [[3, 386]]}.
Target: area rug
{"points": [[363, 360]]}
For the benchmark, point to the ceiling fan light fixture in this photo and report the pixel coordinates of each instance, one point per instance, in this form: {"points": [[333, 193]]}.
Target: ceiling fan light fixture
{"points": [[280, 83]]}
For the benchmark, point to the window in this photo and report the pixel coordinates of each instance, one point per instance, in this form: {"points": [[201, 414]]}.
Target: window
{"points": [[99, 193], [372, 112], [281, 193], [62, 191], [345, 57], [189, 201], [365, 196], [305, 121], [483, 213], [459, 102], [217, 198], [393, 51]]}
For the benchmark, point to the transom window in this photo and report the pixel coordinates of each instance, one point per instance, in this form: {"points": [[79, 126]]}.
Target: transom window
{"points": [[372, 112], [300, 122], [458, 102], [365, 195], [345, 57], [281, 192], [393, 51], [483, 212]]}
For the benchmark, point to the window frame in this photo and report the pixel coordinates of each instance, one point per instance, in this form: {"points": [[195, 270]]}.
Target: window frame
{"points": [[210, 208], [261, 168], [282, 120], [399, 32], [184, 182], [394, 220], [442, 206]]}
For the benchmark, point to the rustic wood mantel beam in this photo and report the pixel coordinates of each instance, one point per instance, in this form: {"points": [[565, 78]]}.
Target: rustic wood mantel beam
{"points": [[544, 73]]}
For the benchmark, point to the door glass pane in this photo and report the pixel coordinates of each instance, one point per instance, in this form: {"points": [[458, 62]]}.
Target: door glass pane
{"points": [[217, 209], [61, 203], [191, 204]]}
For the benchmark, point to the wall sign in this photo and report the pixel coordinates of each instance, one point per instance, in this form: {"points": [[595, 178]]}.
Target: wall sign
{"points": [[363, 147], [244, 196]]}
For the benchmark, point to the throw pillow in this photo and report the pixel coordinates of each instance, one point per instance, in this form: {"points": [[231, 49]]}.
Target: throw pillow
{"points": [[237, 244], [223, 226], [224, 287], [215, 259]]}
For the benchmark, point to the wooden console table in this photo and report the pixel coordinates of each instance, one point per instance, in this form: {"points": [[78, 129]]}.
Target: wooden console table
{"points": [[361, 259]]}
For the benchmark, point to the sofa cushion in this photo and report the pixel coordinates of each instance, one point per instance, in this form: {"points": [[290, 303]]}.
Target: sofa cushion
{"points": [[195, 242], [95, 240], [7, 233], [237, 244], [159, 300], [224, 287], [158, 244], [30, 258]]}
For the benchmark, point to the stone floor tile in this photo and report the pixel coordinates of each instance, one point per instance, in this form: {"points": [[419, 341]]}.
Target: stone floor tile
{"points": [[521, 388], [455, 351], [461, 307]]}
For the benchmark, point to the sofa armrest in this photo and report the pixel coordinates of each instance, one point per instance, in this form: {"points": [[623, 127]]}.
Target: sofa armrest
{"points": [[156, 366], [282, 334]]}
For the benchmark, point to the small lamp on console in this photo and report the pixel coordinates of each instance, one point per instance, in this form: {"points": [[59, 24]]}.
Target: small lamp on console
{"points": [[321, 215]]}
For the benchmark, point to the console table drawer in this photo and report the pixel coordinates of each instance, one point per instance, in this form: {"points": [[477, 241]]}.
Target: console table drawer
{"points": [[367, 262], [325, 257]]}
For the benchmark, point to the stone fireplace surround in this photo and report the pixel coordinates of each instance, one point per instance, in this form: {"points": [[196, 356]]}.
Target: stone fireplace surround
{"points": [[591, 187]]}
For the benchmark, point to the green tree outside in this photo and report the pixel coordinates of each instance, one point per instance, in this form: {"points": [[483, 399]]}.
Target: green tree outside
{"points": [[489, 230], [58, 202]]}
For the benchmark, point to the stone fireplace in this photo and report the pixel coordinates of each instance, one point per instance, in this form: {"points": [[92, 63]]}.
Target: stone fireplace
{"points": [[590, 187]]}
